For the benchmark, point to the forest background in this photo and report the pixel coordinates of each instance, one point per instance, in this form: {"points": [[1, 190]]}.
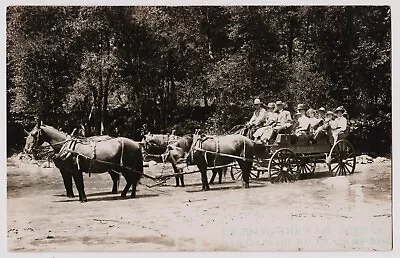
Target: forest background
{"points": [[114, 69]]}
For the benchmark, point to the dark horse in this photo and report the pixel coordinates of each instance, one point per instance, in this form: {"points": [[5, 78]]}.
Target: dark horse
{"points": [[219, 151], [57, 139], [176, 151], [74, 157]]}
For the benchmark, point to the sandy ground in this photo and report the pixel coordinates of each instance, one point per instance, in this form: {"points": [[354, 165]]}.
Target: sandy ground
{"points": [[320, 213]]}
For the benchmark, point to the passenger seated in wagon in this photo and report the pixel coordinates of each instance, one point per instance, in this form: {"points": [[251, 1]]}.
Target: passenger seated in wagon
{"points": [[301, 128], [339, 127], [257, 120], [324, 129], [320, 113], [264, 133], [315, 121], [283, 122]]}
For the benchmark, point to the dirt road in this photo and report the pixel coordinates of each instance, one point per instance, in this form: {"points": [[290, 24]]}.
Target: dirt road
{"points": [[322, 213]]}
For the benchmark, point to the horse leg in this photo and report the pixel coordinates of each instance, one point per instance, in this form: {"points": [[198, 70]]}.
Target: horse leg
{"points": [[135, 178], [177, 177], [204, 180], [181, 177], [176, 180], [245, 166], [67, 179], [128, 184], [220, 176], [134, 181], [115, 178], [78, 178], [214, 173]]}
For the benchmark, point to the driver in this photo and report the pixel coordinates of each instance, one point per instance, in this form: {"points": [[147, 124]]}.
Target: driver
{"points": [[258, 119]]}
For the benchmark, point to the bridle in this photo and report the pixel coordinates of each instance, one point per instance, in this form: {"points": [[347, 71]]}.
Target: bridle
{"points": [[39, 134]]}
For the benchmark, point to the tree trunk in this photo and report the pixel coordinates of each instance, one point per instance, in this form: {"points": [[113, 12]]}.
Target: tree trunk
{"points": [[290, 39], [104, 110]]}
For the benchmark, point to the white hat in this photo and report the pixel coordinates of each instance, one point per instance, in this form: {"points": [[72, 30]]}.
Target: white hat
{"points": [[341, 108], [257, 102]]}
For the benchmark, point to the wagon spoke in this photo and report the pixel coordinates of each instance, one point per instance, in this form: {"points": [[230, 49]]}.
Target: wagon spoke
{"points": [[276, 179], [333, 169], [342, 173], [308, 167], [275, 164], [274, 172], [291, 177], [252, 174], [347, 169]]}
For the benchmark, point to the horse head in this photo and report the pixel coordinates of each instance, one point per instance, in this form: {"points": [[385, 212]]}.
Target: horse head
{"points": [[34, 139], [44, 133], [196, 140]]}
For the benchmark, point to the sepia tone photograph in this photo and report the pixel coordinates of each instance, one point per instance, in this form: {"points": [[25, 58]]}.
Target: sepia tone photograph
{"points": [[198, 128]]}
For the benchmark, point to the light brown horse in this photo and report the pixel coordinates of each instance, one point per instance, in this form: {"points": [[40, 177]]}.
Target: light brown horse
{"points": [[219, 151], [74, 157]]}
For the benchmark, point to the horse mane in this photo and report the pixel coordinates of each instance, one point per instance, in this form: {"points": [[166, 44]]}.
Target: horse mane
{"points": [[53, 128]]}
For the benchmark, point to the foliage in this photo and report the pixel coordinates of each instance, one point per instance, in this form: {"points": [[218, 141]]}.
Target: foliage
{"points": [[113, 69]]}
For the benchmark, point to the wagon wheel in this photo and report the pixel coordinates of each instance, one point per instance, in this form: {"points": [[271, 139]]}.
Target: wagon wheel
{"points": [[282, 166], [342, 159], [236, 174], [305, 166]]}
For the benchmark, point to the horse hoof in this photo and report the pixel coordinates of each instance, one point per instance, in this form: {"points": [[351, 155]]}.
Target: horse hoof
{"points": [[114, 192], [123, 194], [246, 185], [84, 200], [206, 189], [71, 196]]}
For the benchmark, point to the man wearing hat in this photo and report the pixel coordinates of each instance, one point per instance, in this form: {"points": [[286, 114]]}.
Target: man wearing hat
{"points": [[283, 121], [259, 117], [321, 113], [339, 125], [264, 133]]}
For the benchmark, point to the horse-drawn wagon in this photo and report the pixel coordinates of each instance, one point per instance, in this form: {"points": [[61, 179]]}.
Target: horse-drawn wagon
{"points": [[286, 160]]}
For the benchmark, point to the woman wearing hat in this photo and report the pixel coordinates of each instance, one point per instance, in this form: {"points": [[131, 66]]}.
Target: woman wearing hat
{"points": [[259, 117], [303, 121], [295, 122], [339, 125]]}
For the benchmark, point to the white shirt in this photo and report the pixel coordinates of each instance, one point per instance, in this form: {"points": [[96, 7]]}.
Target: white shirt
{"points": [[304, 124], [259, 117], [339, 124], [314, 121]]}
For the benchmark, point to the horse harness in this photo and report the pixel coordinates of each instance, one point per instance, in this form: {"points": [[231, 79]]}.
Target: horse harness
{"points": [[69, 148], [217, 150]]}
